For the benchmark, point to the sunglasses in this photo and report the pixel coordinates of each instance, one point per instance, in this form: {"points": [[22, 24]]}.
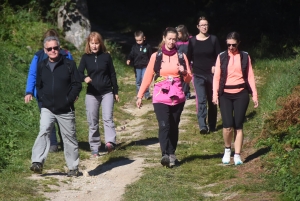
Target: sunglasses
{"points": [[233, 45], [50, 48]]}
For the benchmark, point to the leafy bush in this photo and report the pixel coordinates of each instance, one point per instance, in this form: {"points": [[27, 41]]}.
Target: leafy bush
{"points": [[282, 134]]}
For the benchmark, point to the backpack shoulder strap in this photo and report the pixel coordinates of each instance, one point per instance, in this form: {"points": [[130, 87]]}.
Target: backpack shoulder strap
{"points": [[213, 39], [68, 64], [193, 41], [181, 59], [223, 57], [157, 64]]}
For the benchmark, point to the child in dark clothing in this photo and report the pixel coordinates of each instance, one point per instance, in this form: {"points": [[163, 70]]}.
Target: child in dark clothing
{"points": [[139, 56], [182, 46]]}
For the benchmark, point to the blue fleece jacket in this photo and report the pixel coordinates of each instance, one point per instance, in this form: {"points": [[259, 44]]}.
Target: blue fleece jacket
{"points": [[31, 79]]}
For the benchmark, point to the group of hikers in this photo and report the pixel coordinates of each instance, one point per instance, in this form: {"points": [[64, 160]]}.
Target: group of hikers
{"points": [[223, 79]]}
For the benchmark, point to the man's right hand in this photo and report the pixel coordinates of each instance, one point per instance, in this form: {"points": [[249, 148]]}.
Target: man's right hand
{"points": [[128, 62], [28, 98]]}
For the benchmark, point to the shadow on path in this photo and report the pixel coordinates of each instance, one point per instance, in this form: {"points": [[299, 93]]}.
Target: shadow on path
{"points": [[110, 165], [257, 154], [142, 142]]}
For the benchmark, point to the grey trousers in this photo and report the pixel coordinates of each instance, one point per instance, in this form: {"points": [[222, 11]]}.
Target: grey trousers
{"points": [[66, 123], [92, 112]]}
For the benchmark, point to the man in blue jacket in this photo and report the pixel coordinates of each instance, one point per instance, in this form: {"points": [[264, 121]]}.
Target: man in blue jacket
{"points": [[58, 85], [31, 82]]}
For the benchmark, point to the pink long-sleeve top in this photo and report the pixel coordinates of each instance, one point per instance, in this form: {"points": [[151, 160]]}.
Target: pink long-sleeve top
{"points": [[234, 75], [169, 67]]}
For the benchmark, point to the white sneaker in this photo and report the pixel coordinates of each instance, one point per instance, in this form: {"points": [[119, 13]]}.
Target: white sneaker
{"points": [[237, 159], [226, 157]]}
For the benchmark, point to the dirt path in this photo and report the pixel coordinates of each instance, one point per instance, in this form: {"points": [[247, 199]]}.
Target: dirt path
{"points": [[104, 180]]}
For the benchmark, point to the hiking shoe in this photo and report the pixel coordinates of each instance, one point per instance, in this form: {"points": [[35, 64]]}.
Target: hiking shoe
{"points": [[53, 148], [165, 160], [109, 147], [173, 160], [237, 159], [204, 131], [73, 173], [37, 167], [226, 157], [187, 96]]}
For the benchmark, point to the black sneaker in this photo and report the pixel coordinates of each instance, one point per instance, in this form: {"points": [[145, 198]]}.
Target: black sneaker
{"points": [[37, 167], [73, 173], [204, 131], [165, 160]]}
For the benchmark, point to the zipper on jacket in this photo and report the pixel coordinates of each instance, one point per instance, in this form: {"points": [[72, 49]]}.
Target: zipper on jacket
{"points": [[53, 92], [97, 68]]}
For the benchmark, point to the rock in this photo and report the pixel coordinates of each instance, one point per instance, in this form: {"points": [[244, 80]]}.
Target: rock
{"points": [[73, 19]]}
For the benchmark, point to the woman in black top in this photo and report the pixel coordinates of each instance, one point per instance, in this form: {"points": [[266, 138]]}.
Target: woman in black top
{"points": [[203, 50], [102, 89]]}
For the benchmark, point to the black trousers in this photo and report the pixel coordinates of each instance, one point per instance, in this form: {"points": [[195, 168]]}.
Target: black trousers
{"points": [[203, 89], [233, 108], [168, 118]]}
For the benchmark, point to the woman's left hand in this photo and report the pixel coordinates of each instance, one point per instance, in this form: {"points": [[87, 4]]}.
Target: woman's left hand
{"points": [[117, 98]]}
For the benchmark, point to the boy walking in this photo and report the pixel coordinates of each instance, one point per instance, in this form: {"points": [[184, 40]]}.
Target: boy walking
{"points": [[139, 56]]}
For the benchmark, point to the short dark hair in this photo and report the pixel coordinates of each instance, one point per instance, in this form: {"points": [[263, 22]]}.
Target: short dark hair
{"points": [[234, 35], [202, 18], [139, 33]]}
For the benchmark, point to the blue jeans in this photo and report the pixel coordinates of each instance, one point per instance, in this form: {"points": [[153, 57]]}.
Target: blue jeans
{"points": [[139, 72]]}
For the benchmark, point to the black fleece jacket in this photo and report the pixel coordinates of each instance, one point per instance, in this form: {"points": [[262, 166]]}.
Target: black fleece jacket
{"points": [[101, 70], [139, 55], [58, 89]]}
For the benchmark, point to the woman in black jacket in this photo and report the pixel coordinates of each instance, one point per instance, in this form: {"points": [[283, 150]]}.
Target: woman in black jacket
{"points": [[102, 89]]}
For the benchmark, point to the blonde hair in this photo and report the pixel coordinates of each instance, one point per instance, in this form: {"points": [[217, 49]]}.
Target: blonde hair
{"points": [[97, 37]]}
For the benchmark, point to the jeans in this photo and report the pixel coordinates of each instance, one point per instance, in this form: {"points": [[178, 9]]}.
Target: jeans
{"points": [[139, 78], [66, 123], [53, 138], [203, 89], [92, 111]]}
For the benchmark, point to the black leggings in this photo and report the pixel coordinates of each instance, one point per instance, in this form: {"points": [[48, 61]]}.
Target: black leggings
{"points": [[233, 109], [168, 118]]}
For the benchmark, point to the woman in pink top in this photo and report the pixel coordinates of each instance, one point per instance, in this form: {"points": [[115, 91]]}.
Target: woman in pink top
{"points": [[168, 98], [233, 82]]}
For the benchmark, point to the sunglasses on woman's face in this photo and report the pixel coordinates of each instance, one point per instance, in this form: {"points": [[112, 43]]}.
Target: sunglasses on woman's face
{"points": [[233, 45]]}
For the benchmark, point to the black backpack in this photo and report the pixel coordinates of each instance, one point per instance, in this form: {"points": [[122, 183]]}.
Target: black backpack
{"points": [[158, 60]]}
